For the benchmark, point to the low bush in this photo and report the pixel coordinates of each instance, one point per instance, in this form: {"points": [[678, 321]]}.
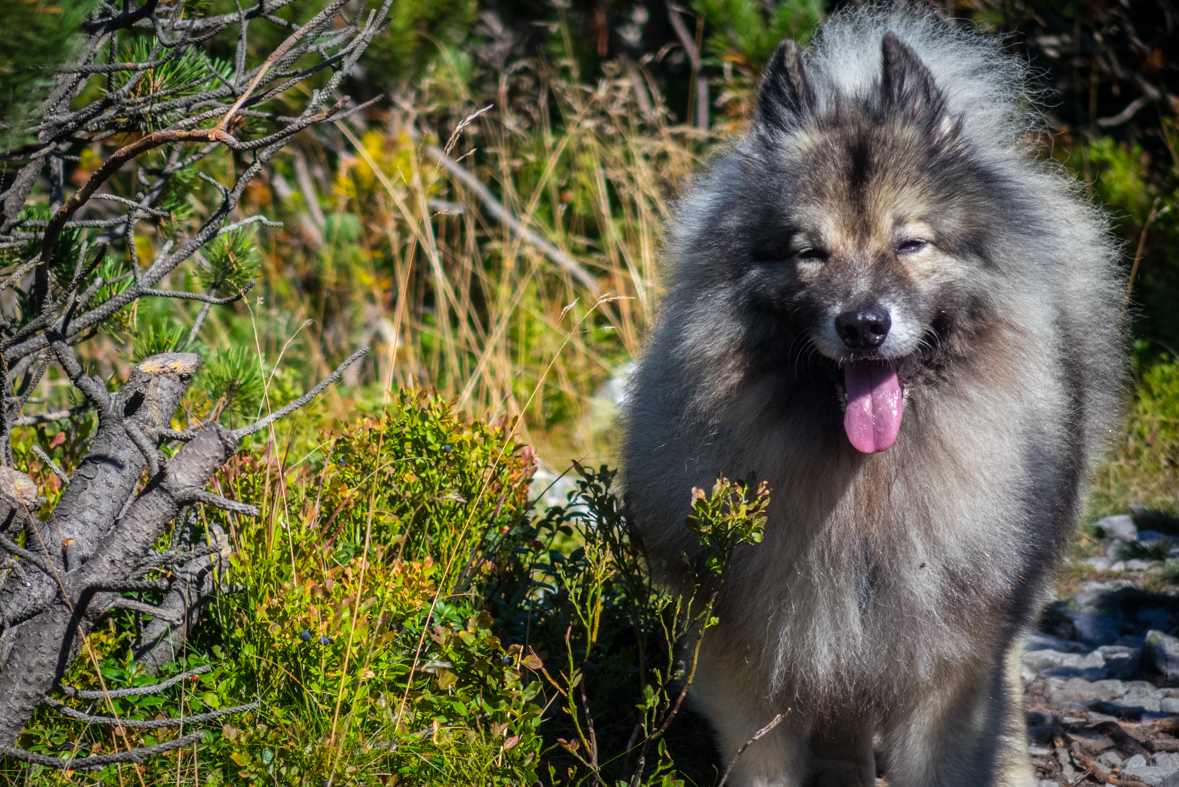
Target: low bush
{"points": [[400, 615]]}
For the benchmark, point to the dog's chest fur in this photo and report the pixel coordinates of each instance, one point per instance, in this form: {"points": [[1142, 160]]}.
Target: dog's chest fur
{"points": [[871, 574]]}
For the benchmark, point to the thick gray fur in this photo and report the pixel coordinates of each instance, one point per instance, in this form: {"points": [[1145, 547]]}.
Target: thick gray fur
{"points": [[884, 607]]}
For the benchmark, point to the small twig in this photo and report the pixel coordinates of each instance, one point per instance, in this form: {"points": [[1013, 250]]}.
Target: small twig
{"points": [[323, 16], [258, 426], [693, 53], [48, 460], [31, 557], [217, 501], [196, 296], [151, 454], [1154, 214], [176, 558], [44, 418], [756, 737]]}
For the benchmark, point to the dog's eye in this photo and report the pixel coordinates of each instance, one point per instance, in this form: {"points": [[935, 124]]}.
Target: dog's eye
{"points": [[911, 245], [813, 254]]}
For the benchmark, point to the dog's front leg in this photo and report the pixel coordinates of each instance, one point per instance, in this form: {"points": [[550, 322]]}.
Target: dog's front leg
{"points": [[971, 733], [732, 697]]}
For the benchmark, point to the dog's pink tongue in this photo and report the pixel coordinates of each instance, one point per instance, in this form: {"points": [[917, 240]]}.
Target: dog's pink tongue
{"points": [[873, 416]]}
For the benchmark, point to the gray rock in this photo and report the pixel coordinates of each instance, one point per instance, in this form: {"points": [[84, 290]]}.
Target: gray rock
{"points": [[1121, 666], [1147, 699], [1081, 690], [1036, 751], [1098, 563], [1166, 760], [1039, 660], [1095, 627], [1110, 759], [1159, 768], [1066, 765], [1047, 783], [1169, 705], [1160, 656], [1036, 640], [1118, 565], [1120, 526], [1139, 565], [1111, 651]]}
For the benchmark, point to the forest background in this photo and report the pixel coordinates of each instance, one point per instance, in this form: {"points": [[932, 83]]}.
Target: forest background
{"points": [[404, 611]]}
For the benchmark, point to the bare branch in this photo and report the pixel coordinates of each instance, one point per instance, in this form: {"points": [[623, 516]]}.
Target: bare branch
{"points": [[144, 608], [217, 501], [48, 460], [258, 426], [56, 415], [133, 691], [100, 760], [148, 724], [756, 737], [31, 557], [196, 296]]}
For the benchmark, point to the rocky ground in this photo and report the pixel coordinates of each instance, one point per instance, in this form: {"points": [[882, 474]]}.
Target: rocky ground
{"points": [[1101, 677]]}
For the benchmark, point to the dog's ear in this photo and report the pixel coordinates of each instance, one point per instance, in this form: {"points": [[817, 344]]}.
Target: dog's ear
{"points": [[909, 89], [785, 95]]}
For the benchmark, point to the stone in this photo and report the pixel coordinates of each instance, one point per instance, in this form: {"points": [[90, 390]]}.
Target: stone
{"points": [[1139, 565], [1081, 690], [1147, 699], [1098, 563], [1118, 565], [1160, 656], [1120, 526], [1066, 765], [1039, 660], [1122, 666], [1160, 767], [1166, 760], [1038, 640], [1094, 627], [1169, 705], [1110, 759]]}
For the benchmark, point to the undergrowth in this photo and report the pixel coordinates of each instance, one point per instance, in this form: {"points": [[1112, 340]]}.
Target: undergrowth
{"points": [[401, 615]]}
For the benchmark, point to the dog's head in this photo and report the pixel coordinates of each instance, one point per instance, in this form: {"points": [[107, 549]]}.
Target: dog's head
{"points": [[864, 230]]}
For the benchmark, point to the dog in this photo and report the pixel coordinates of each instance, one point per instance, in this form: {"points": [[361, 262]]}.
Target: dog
{"points": [[882, 302]]}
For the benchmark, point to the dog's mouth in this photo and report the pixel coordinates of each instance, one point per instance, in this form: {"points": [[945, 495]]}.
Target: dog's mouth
{"points": [[873, 390]]}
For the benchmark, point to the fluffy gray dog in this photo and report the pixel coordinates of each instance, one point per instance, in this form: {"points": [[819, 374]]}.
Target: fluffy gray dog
{"points": [[885, 306]]}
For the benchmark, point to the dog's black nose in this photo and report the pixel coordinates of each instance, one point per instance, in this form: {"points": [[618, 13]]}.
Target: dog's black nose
{"points": [[863, 329]]}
